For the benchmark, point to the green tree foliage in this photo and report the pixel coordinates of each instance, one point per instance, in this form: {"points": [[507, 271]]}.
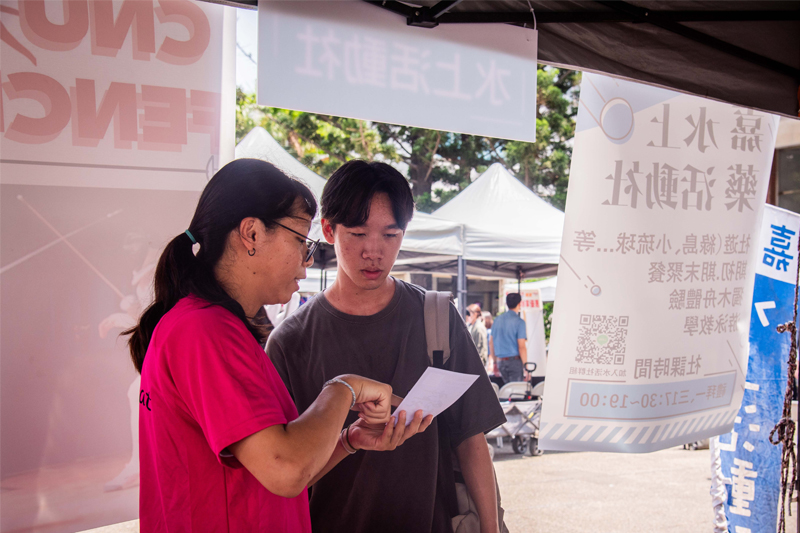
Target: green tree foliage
{"points": [[321, 142], [547, 310], [439, 157], [438, 164], [544, 164]]}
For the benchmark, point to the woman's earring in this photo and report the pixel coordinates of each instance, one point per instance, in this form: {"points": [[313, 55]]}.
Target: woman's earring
{"points": [[252, 252]]}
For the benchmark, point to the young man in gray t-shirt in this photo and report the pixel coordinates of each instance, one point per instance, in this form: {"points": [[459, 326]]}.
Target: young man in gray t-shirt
{"points": [[371, 324]]}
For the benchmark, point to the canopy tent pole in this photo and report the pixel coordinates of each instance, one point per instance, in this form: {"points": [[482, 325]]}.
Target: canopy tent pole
{"points": [[461, 286], [519, 279]]}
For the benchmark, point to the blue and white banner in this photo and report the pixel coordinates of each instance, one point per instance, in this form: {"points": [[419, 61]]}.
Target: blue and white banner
{"points": [[749, 461]]}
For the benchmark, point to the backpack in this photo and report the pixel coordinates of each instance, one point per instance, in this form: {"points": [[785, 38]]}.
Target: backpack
{"points": [[451, 483]]}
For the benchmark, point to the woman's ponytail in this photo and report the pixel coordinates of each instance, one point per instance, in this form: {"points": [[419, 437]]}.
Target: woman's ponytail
{"points": [[175, 266], [243, 188]]}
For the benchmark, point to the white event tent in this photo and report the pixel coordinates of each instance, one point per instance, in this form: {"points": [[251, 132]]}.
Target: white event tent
{"points": [[259, 144], [508, 230]]}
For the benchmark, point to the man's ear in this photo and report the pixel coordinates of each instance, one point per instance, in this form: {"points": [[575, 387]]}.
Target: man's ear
{"points": [[328, 230]]}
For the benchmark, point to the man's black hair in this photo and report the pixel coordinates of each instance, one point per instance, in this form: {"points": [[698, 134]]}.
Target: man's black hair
{"points": [[348, 194], [513, 300]]}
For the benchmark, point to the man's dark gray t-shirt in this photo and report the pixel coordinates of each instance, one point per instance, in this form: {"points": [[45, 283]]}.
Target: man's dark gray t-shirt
{"points": [[381, 491]]}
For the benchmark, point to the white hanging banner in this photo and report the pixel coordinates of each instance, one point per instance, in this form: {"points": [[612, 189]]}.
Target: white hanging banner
{"points": [[649, 342], [356, 60]]}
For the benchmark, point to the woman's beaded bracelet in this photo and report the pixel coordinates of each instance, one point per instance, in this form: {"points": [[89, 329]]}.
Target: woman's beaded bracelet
{"points": [[346, 384]]}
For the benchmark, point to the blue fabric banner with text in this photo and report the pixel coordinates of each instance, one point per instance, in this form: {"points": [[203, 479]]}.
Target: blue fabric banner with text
{"points": [[749, 461]]}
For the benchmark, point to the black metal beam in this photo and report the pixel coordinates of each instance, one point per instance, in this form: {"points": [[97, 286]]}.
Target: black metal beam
{"points": [[423, 17], [542, 17], [647, 16], [395, 7], [589, 17], [441, 13], [239, 4], [443, 6]]}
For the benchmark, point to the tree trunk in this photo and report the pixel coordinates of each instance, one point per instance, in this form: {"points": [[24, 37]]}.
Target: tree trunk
{"points": [[417, 173], [295, 142], [418, 165], [432, 158], [364, 143]]}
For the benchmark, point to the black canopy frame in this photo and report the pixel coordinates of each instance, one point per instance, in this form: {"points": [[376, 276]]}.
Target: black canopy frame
{"points": [[617, 11]]}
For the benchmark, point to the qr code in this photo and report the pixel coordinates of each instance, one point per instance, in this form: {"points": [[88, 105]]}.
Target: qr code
{"points": [[601, 339]]}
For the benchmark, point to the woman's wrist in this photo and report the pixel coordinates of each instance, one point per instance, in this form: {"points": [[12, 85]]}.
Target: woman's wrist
{"points": [[343, 383], [356, 382], [347, 438], [344, 440]]}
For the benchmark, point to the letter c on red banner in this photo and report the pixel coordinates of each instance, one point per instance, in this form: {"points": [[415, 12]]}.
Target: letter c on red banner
{"points": [[52, 97], [193, 19]]}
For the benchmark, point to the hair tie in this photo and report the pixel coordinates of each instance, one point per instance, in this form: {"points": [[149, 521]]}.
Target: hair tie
{"points": [[189, 233]]}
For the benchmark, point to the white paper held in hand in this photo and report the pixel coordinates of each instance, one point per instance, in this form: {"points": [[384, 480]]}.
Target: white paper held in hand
{"points": [[435, 391]]}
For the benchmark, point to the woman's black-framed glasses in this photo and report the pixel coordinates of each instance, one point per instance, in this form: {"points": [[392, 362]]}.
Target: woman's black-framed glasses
{"points": [[312, 245]]}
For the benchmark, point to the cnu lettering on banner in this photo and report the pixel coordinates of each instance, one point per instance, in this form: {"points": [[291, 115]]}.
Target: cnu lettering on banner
{"points": [[155, 117]]}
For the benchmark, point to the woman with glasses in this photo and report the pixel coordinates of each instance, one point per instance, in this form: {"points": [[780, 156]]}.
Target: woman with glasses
{"points": [[221, 445]]}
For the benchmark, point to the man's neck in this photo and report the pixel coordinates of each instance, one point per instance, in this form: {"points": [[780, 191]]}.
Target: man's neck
{"points": [[346, 297]]}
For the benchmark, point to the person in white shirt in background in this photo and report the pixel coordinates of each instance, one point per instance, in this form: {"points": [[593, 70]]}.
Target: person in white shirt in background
{"points": [[477, 330]]}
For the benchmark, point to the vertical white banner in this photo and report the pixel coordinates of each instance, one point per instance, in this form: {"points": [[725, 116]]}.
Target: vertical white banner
{"points": [[112, 119], [649, 341], [356, 60]]}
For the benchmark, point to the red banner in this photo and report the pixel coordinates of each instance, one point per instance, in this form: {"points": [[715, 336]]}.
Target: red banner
{"points": [[111, 122]]}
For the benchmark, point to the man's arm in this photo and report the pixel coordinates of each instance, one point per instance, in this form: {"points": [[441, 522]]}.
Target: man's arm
{"points": [[476, 465], [522, 344]]}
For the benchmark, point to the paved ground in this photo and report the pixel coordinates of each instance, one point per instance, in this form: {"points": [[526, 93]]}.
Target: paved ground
{"points": [[662, 492], [66, 498], [124, 527], [559, 492]]}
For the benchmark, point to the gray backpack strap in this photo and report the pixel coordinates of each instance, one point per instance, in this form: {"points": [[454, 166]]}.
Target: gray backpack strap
{"points": [[464, 511], [437, 327]]}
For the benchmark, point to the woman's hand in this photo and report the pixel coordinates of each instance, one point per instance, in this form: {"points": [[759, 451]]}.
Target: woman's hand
{"points": [[373, 399], [386, 437]]}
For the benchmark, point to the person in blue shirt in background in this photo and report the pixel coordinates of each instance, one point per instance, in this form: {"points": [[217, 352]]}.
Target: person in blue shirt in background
{"points": [[508, 341]]}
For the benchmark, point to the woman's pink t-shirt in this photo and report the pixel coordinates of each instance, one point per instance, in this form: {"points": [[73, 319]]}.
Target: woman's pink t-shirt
{"points": [[206, 383]]}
